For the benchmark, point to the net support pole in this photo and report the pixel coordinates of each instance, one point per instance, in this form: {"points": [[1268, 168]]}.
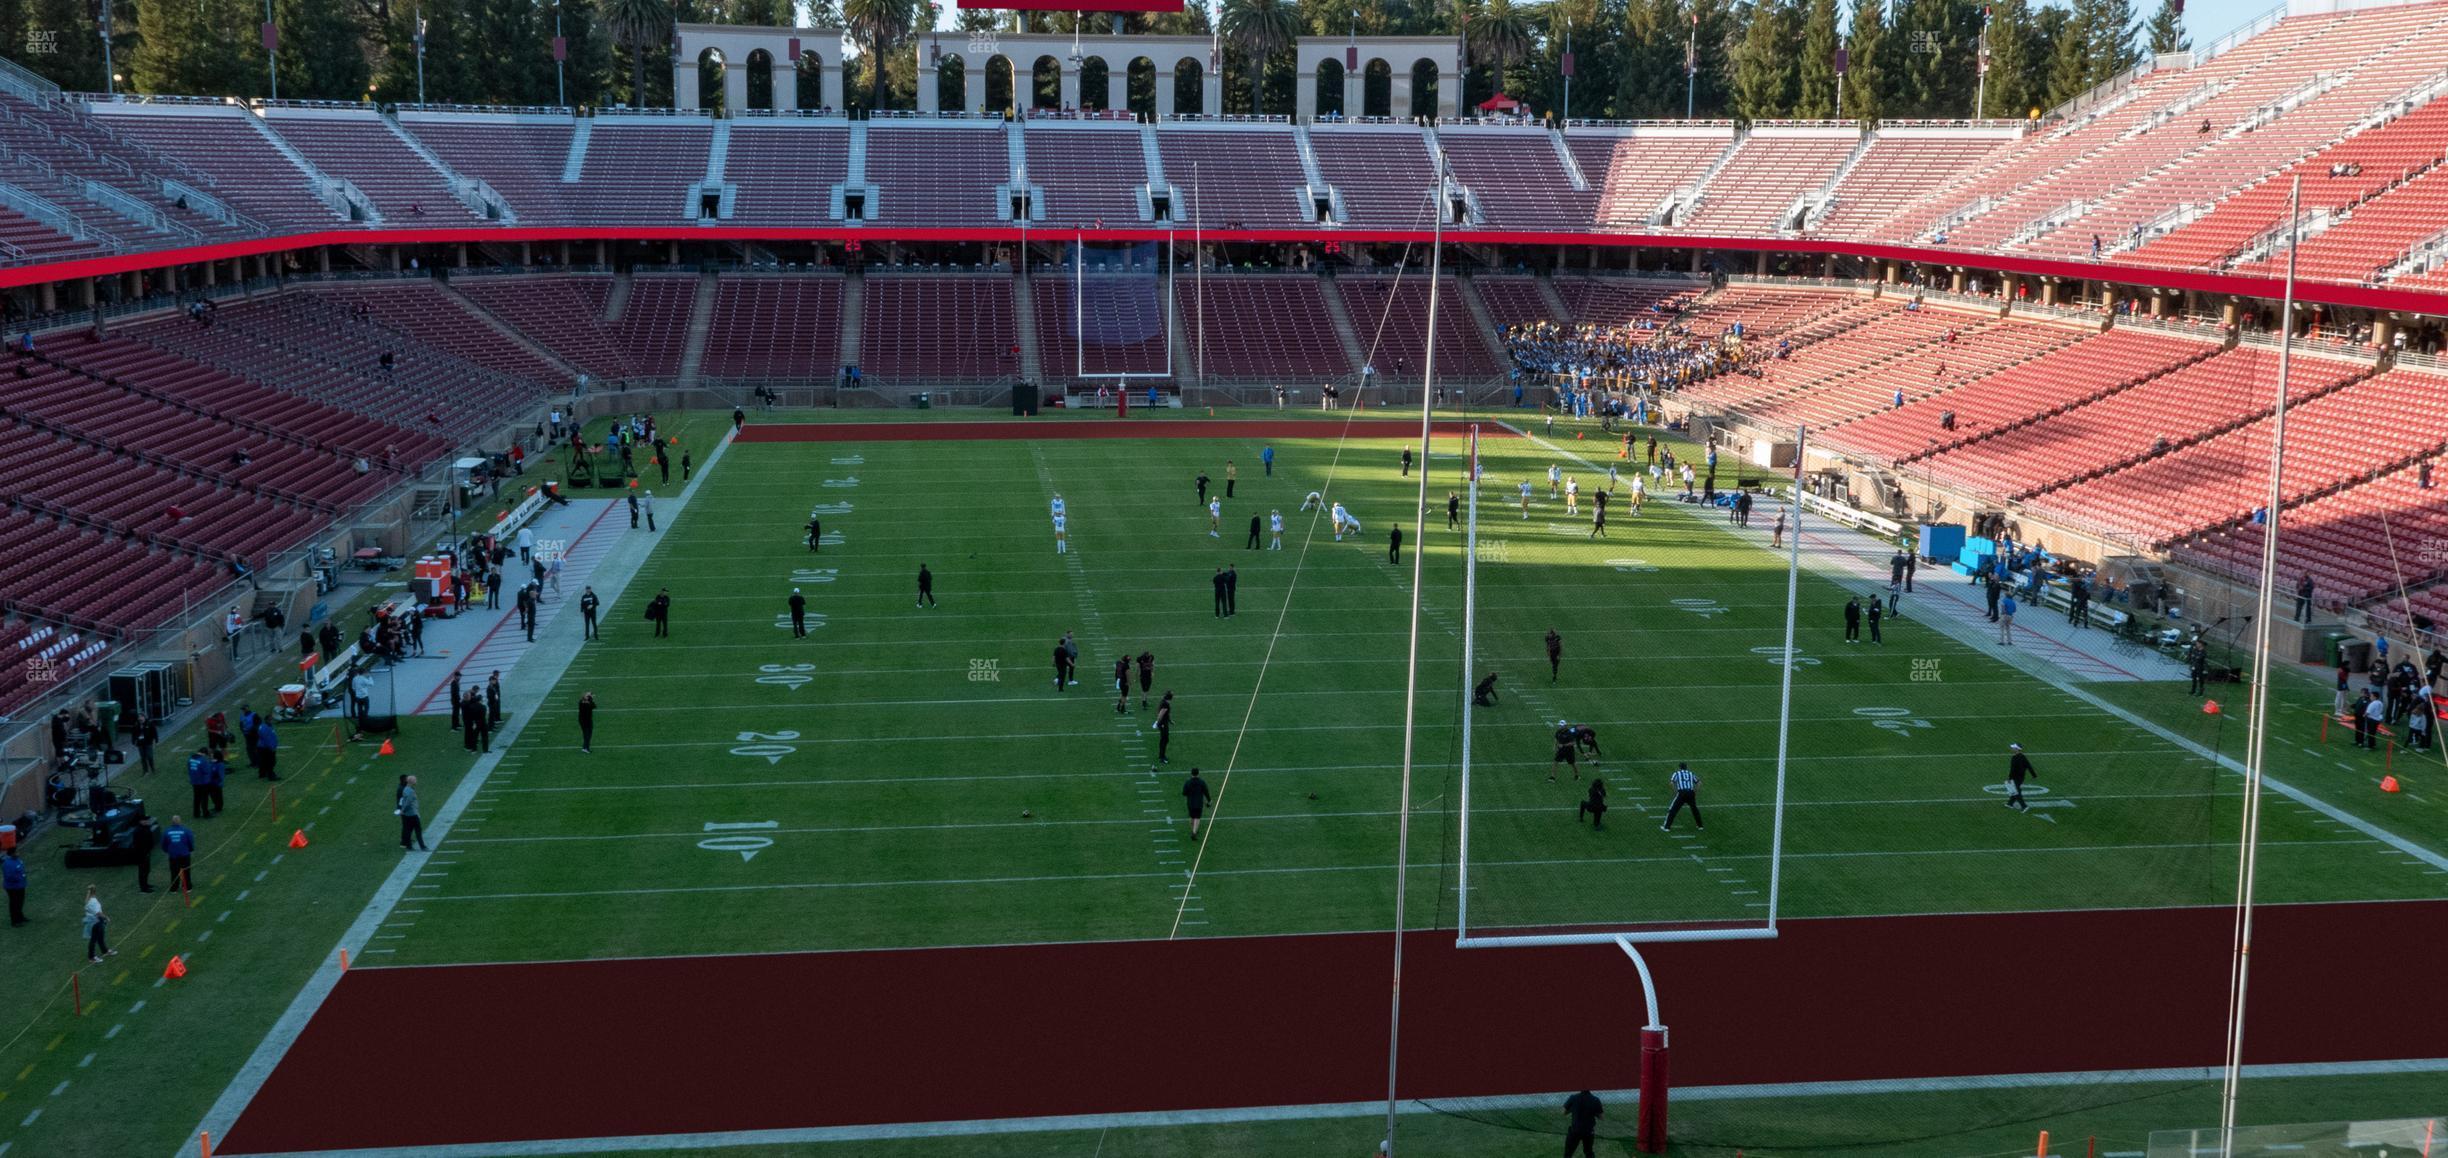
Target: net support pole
{"points": [[1784, 748], [1470, 635], [1653, 1079]]}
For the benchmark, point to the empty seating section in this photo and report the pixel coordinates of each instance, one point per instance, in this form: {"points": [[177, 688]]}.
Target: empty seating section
{"points": [[24, 239], [556, 314], [1390, 317], [643, 171], [1966, 350], [249, 171], [1100, 324], [2382, 157], [1382, 174], [1236, 177], [917, 330], [521, 157], [1896, 167], [1512, 301], [2199, 397], [54, 146], [2384, 56], [1886, 332], [1619, 301], [426, 313], [1767, 313], [2017, 394], [1633, 173], [1261, 328], [84, 482], [35, 657], [652, 329], [2374, 236], [83, 576], [1517, 179], [1752, 194], [2333, 537], [206, 427], [2332, 439], [360, 147], [774, 327], [935, 175], [783, 171], [1091, 174]]}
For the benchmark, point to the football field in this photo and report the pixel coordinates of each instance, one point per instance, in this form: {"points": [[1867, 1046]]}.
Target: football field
{"points": [[908, 777]]}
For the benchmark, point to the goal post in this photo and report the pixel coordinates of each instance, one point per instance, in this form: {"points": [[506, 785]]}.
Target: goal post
{"points": [[1116, 315]]}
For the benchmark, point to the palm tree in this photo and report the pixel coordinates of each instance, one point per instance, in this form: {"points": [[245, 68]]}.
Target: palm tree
{"points": [[1260, 29], [878, 24], [1500, 36], [638, 25]]}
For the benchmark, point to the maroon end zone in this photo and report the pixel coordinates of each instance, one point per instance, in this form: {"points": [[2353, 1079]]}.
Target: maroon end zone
{"points": [[506, 1053], [1045, 431]]}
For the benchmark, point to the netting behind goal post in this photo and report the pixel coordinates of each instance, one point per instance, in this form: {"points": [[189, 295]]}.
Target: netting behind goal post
{"points": [[1115, 331]]}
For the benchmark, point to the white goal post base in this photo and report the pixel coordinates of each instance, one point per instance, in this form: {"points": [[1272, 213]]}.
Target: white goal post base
{"points": [[1639, 937]]}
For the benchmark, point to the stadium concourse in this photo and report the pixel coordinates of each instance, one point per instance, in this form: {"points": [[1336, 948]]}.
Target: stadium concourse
{"points": [[837, 871]]}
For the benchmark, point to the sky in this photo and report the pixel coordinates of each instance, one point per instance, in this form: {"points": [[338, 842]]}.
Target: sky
{"points": [[2206, 20]]}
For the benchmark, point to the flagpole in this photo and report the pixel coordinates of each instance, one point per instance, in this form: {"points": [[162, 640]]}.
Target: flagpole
{"points": [[271, 43], [1980, 87], [1568, 70], [1691, 67], [110, 80]]}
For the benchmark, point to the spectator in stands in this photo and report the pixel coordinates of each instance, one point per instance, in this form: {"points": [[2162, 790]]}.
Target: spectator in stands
{"points": [[2303, 598]]}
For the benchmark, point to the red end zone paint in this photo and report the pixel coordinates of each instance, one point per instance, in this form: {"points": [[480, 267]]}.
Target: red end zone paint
{"points": [[671, 1045], [1043, 431]]}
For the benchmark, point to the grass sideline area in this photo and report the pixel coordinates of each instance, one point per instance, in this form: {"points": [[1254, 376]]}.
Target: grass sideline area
{"points": [[895, 814]]}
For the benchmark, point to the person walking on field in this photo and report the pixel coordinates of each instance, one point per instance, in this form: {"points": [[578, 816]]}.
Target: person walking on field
{"points": [[649, 503], [1453, 509], [1853, 617], [1584, 1109], [1215, 518], [1121, 685], [2018, 768], [798, 614], [1256, 522], [1406, 462], [412, 825], [1194, 794], [1219, 593], [1555, 656], [2006, 614], [1164, 729], [1147, 675], [1232, 474], [178, 845], [926, 586], [587, 605], [97, 928], [13, 881], [1686, 785], [586, 722], [1394, 547]]}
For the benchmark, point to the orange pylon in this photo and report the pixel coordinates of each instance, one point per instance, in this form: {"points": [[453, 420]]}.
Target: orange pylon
{"points": [[176, 969], [297, 839]]}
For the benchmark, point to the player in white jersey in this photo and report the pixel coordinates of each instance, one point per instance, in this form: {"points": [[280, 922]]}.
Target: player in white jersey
{"points": [[1555, 475], [1313, 502], [1640, 490], [1062, 535], [1337, 517], [1572, 496], [1058, 506], [1525, 496], [1610, 479], [1215, 518], [1275, 525]]}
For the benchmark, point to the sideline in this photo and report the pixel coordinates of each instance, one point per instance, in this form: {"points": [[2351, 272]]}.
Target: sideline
{"points": [[539, 671]]}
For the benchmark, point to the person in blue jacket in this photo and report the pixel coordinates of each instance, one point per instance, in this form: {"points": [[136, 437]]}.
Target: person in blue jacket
{"points": [[267, 751], [12, 879], [205, 773], [178, 843]]}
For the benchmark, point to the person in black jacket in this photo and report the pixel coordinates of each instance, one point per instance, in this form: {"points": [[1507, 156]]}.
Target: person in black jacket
{"points": [[798, 614], [1594, 808], [1584, 1109], [145, 838], [658, 609], [492, 695], [587, 603], [1219, 593], [586, 722]]}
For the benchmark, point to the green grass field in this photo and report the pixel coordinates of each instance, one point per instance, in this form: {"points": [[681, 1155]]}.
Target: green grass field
{"points": [[911, 777]]}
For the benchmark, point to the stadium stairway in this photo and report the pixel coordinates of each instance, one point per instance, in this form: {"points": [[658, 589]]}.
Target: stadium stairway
{"points": [[513, 334], [1555, 301], [701, 323], [1490, 333], [853, 315], [618, 299], [1024, 315], [1353, 352]]}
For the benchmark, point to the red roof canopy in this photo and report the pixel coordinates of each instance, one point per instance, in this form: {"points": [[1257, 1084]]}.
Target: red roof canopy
{"points": [[1499, 101]]}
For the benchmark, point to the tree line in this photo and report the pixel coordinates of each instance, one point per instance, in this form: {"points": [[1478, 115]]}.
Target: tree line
{"points": [[1745, 59]]}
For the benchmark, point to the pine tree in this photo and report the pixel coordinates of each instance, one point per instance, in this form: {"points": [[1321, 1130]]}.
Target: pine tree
{"points": [[1816, 97], [2113, 50], [2167, 33], [322, 49], [2017, 80], [1866, 82], [188, 49], [58, 39], [1648, 82], [1764, 75], [2070, 56]]}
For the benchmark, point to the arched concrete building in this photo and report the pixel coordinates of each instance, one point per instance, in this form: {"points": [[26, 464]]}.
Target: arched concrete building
{"points": [[781, 49], [1403, 56], [976, 51]]}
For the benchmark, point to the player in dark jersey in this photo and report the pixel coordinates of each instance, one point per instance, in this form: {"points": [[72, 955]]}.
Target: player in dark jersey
{"points": [[1122, 685], [1164, 729], [1567, 751], [1555, 655], [1147, 675]]}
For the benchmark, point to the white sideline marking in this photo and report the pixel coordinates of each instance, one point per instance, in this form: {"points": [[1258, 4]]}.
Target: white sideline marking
{"points": [[611, 581], [809, 1136]]}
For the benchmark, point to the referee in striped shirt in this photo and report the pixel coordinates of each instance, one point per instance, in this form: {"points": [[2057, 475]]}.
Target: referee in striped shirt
{"points": [[1687, 795]]}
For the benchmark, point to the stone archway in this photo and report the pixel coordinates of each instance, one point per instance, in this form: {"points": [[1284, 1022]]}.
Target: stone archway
{"points": [[1425, 89], [1095, 78], [1139, 87], [1189, 87], [723, 56], [760, 80], [952, 83], [1377, 89], [1330, 77], [712, 71], [1002, 95], [1045, 83]]}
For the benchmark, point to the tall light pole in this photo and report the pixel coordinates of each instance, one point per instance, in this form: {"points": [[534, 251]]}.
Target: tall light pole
{"points": [[110, 79], [1566, 66], [420, 49], [1980, 86], [1691, 66], [271, 43], [560, 56]]}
